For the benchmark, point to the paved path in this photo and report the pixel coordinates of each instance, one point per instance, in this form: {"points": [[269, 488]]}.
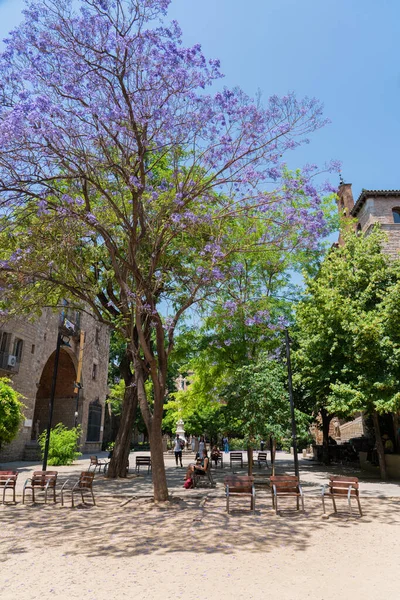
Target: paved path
{"points": [[312, 476]]}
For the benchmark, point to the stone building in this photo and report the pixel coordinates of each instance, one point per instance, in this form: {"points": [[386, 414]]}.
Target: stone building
{"points": [[374, 206], [27, 357], [371, 207]]}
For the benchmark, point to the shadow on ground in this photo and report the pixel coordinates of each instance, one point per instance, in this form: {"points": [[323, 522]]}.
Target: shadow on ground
{"points": [[142, 528]]}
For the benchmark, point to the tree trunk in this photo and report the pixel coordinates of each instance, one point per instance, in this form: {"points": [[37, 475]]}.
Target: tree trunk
{"points": [[160, 487], [153, 422], [120, 456], [249, 460], [326, 420], [379, 446], [272, 448], [396, 427]]}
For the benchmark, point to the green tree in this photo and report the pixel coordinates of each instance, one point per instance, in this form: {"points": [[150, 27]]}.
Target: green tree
{"points": [[258, 402], [348, 332], [122, 180], [199, 407], [11, 414]]}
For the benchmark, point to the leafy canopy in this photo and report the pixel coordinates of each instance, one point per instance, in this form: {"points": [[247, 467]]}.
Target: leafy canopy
{"points": [[348, 329]]}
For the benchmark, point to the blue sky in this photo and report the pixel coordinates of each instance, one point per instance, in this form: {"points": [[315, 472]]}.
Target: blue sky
{"points": [[344, 53]]}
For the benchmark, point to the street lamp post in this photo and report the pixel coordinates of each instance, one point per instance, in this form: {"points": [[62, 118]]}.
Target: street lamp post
{"points": [[290, 385], [51, 401], [66, 329]]}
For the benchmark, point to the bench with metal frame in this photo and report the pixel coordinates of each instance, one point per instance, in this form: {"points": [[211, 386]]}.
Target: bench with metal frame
{"points": [[236, 457], [242, 485], [286, 486], [261, 459], [83, 485], [41, 481], [341, 487], [203, 476], [98, 463], [144, 461], [8, 481]]}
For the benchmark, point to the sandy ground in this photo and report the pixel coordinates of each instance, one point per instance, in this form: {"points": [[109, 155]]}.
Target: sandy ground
{"points": [[193, 549], [127, 547]]}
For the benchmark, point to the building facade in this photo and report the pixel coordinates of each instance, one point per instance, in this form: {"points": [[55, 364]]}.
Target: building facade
{"points": [[371, 207], [27, 357]]}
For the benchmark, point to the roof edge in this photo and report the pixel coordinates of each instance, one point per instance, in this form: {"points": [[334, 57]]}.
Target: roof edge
{"points": [[367, 194]]}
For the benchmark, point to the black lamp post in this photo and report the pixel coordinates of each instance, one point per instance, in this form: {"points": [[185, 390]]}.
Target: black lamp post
{"points": [[290, 385], [60, 342]]}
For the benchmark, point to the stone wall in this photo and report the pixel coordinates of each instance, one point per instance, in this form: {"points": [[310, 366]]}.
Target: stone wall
{"points": [[34, 375], [379, 210]]}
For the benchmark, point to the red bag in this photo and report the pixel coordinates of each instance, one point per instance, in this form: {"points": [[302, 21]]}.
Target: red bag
{"points": [[188, 484]]}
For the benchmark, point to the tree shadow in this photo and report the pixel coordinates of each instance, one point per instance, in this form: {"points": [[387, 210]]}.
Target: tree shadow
{"points": [[145, 528]]}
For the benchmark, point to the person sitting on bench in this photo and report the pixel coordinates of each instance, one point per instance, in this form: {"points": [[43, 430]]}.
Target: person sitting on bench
{"points": [[200, 467], [215, 455]]}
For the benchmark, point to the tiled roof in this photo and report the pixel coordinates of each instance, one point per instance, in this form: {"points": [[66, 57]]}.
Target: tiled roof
{"points": [[367, 194]]}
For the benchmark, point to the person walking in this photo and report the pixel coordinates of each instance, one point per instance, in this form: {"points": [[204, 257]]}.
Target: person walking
{"points": [[226, 444], [202, 446], [178, 450]]}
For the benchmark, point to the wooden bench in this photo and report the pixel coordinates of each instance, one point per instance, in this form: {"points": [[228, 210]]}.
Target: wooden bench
{"points": [[285, 486], [8, 481], [42, 481], [143, 461], [97, 463], [236, 457], [83, 485], [240, 486], [341, 487], [261, 459]]}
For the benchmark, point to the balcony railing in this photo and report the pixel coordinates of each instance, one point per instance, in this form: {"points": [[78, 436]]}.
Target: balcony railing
{"points": [[70, 322], [9, 362]]}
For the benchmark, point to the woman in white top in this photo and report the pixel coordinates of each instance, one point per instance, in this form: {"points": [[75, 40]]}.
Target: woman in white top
{"points": [[202, 446]]}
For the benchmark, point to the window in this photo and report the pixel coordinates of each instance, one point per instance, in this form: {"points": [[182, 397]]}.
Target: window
{"points": [[4, 341], [33, 349], [358, 228], [94, 421], [18, 344], [396, 215], [97, 336], [94, 372]]}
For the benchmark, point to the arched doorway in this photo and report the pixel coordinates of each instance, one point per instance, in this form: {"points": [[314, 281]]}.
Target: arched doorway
{"points": [[65, 398]]}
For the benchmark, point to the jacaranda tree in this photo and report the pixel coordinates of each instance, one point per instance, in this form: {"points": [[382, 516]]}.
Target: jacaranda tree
{"points": [[121, 178]]}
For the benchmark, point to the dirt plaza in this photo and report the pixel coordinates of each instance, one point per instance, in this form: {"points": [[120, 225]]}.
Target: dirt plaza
{"points": [[126, 546]]}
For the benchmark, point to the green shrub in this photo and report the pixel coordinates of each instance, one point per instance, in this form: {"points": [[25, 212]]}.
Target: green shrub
{"points": [[10, 411], [63, 445], [236, 444]]}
